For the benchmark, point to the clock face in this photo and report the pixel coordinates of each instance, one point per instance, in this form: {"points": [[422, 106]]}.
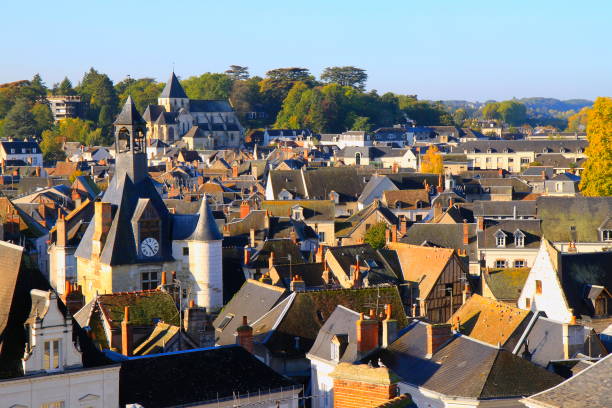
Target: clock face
{"points": [[149, 246]]}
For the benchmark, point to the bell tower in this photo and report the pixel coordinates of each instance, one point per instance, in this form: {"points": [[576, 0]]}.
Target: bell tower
{"points": [[130, 143], [173, 97]]}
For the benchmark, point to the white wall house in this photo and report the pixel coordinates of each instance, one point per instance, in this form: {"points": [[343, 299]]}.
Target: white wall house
{"points": [[28, 152], [52, 364]]}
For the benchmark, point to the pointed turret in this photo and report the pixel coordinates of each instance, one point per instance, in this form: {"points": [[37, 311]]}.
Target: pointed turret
{"points": [[173, 89], [206, 228], [129, 115]]}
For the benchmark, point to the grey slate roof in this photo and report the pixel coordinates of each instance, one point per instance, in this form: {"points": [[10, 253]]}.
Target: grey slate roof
{"points": [[152, 112], [495, 209], [589, 388], [530, 228], [173, 88], [538, 146], [443, 235], [341, 322], [206, 229], [206, 105], [129, 115]]}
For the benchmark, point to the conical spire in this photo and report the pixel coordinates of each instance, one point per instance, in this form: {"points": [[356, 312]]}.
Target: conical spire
{"points": [[173, 88], [206, 229], [129, 114]]}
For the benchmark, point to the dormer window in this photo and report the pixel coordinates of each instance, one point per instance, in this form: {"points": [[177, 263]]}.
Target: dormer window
{"points": [[545, 150], [297, 213], [51, 355], [489, 150], [519, 239], [606, 235], [500, 239], [335, 351]]}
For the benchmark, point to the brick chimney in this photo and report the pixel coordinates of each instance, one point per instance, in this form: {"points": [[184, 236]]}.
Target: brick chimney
{"points": [[395, 167], [76, 197], [247, 255], [437, 335], [73, 297], [394, 233], [297, 284], [403, 230], [293, 236], [465, 293], [194, 322], [389, 327], [501, 173], [440, 187], [244, 335], [466, 233], [127, 336], [480, 223], [271, 260], [235, 171], [356, 273], [363, 386], [319, 254], [60, 230], [367, 334], [102, 224], [245, 209], [168, 165]]}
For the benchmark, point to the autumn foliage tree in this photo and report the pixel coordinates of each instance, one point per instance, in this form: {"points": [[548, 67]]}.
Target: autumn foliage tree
{"points": [[596, 179], [432, 161]]}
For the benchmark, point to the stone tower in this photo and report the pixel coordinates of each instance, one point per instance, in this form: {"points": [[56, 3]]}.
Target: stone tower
{"points": [[173, 97], [130, 142]]}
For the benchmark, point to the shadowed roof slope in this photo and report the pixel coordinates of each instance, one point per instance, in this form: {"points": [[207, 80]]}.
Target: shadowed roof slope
{"points": [[173, 88], [129, 115]]}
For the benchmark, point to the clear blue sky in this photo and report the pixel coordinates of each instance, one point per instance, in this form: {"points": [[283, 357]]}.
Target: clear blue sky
{"points": [[474, 50]]}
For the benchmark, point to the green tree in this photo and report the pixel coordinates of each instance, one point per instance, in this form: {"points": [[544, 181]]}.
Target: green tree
{"points": [[289, 116], [208, 86], [98, 90], [237, 72], [277, 84], [19, 122], [512, 112], [144, 91], [375, 235], [42, 116], [51, 146], [596, 179], [64, 88], [245, 98], [345, 76], [362, 123], [491, 111]]}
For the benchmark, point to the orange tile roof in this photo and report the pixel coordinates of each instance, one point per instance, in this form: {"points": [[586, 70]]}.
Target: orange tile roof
{"points": [[421, 264], [488, 320]]}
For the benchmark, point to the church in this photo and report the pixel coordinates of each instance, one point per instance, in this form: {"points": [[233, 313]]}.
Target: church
{"points": [[211, 124], [133, 239]]}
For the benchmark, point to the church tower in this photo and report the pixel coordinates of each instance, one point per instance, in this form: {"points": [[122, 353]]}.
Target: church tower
{"points": [[173, 97], [130, 143]]}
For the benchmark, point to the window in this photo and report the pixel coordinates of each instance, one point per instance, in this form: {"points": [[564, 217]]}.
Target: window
{"points": [[519, 239], [524, 160], [500, 263], [558, 187], [149, 280], [538, 284], [510, 160], [519, 263], [228, 318], [500, 240], [322, 236], [185, 251], [56, 404], [607, 235], [335, 351], [418, 217], [368, 226], [527, 302], [51, 355]]}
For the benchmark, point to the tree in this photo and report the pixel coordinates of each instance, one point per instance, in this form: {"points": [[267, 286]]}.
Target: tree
{"points": [[596, 179], [375, 235], [491, 111], [361, 123], [64, 88], [208, 86], [277, 84], [51, 146], [289, 116], [512, 112], [245, 98], [42, 116], [578, 121], [98, 90], [432, 161], [19, 122], [144, 91], [237, 72], [345, 76]]}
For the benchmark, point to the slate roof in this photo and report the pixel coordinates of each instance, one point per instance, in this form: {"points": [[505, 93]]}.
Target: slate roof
{"points": [[281, 248], [310, 273], [589, 388], [254, 299], [579, 272], [342, 321], [206, 228], [314, 210], [201, 105], [505, 209], [155, 343], [506, 284], [195, 132], [442, 235], [406, 199], [144, 307], [308, 311], [559, 214], [464, 367], [377, 266], [189, 377], [18, 145], [173, 88], [490, 321], [530, 228], [129, 115], [558, 161], [346, 226], [152, 112]]}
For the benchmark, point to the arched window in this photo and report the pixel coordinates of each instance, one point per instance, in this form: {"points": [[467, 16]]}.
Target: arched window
{"points": [[357, 159]]}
